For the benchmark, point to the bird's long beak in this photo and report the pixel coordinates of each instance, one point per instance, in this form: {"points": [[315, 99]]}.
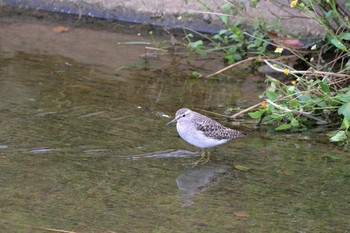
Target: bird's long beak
{"points": [[172, 121]]}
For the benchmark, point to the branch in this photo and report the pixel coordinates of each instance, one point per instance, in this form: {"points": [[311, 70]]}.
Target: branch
{"points": [[296, 113], [230, 66], [304, 72], [234, 116], [305, 114]]}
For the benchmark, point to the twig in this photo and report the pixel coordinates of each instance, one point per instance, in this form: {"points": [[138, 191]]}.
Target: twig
{"points": [[305, 114], [230, 66], [246, 60], [305, 72], [157, 49], [210, 112], [320, 121], [291, 71], [234, 116], [210, 13], [54, 230]]}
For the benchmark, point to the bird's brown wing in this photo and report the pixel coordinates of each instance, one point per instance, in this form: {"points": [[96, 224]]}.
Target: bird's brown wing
{"points": [[215, 130]]}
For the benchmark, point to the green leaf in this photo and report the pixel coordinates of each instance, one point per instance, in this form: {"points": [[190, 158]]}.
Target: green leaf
{"points": [[345, 110], [225, 9], [217, 37], [272, 80], [325, 88], [283, 127], [276, 116], [253, 3], [320, 102], [305, 97], [222, 31], [338, 44], [271, 95], [339, 136], [270, 108], [293, 104], [237, 56], [198, 47], [237, 34], [196, 74], [251, 46], [345, 36], [343, 97], [291, 89], [294, 123], [347, 65], [345, 124], [329, 14], [196, 44], [256, 114]]}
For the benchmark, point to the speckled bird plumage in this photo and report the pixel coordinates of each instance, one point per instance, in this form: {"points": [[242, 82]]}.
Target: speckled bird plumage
{"points": [[201, 131]]}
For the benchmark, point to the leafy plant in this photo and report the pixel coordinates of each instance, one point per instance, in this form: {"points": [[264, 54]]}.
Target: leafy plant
{"points": [[232, 40], [303, 103], [320, 94]]}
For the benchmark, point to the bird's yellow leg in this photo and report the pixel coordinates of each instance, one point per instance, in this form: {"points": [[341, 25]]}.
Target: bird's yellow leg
{"points": [[205, 157]]}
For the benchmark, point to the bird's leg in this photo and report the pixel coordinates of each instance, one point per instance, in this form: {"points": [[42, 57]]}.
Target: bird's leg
{"points": [[205, 157], [208, 156]]}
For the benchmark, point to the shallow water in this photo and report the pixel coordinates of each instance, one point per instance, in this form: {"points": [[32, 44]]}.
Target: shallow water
{"points": [[84, 146]]}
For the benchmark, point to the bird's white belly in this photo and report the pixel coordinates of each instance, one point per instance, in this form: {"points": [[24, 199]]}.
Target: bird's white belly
{"points": [[197, 138]]}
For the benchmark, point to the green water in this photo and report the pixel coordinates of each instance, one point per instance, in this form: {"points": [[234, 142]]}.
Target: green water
{"points": [[84, 148]]}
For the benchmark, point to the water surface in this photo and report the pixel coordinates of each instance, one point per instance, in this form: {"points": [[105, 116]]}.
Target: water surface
{"points": [[84, 147]]}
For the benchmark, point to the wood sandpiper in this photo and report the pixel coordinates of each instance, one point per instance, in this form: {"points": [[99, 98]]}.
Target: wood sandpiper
{"points": [[201, 131]]}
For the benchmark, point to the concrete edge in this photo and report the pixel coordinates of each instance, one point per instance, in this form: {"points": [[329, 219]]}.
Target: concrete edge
{"points": [[193, 21]]}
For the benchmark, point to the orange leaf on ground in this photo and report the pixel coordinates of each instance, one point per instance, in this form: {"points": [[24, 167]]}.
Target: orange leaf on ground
{"points": [[293, 43], [286, 40], [60, 29], [272, 34], [241, 214]]}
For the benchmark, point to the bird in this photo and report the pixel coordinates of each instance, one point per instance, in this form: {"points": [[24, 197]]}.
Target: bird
{"points": [[202, 131]]}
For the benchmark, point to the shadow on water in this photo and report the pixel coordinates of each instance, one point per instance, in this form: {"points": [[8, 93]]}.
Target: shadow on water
{"points": [[85, 149]]}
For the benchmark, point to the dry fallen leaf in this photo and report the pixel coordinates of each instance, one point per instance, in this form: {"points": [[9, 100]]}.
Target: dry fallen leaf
{"points": [[60, 29], [241, 214], [242, 168], [286, 40], [293, 43]]}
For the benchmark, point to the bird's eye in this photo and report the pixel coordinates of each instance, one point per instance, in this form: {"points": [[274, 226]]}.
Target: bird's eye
{"points": [[183, 115]]}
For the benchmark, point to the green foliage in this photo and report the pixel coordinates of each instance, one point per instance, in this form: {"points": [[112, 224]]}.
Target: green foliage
{"points": [[232, 40], [198, 47], [337, 43], [236, 45], [305, 103], [334, 21], [322, 99], [310, 100], [196, 75]]}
